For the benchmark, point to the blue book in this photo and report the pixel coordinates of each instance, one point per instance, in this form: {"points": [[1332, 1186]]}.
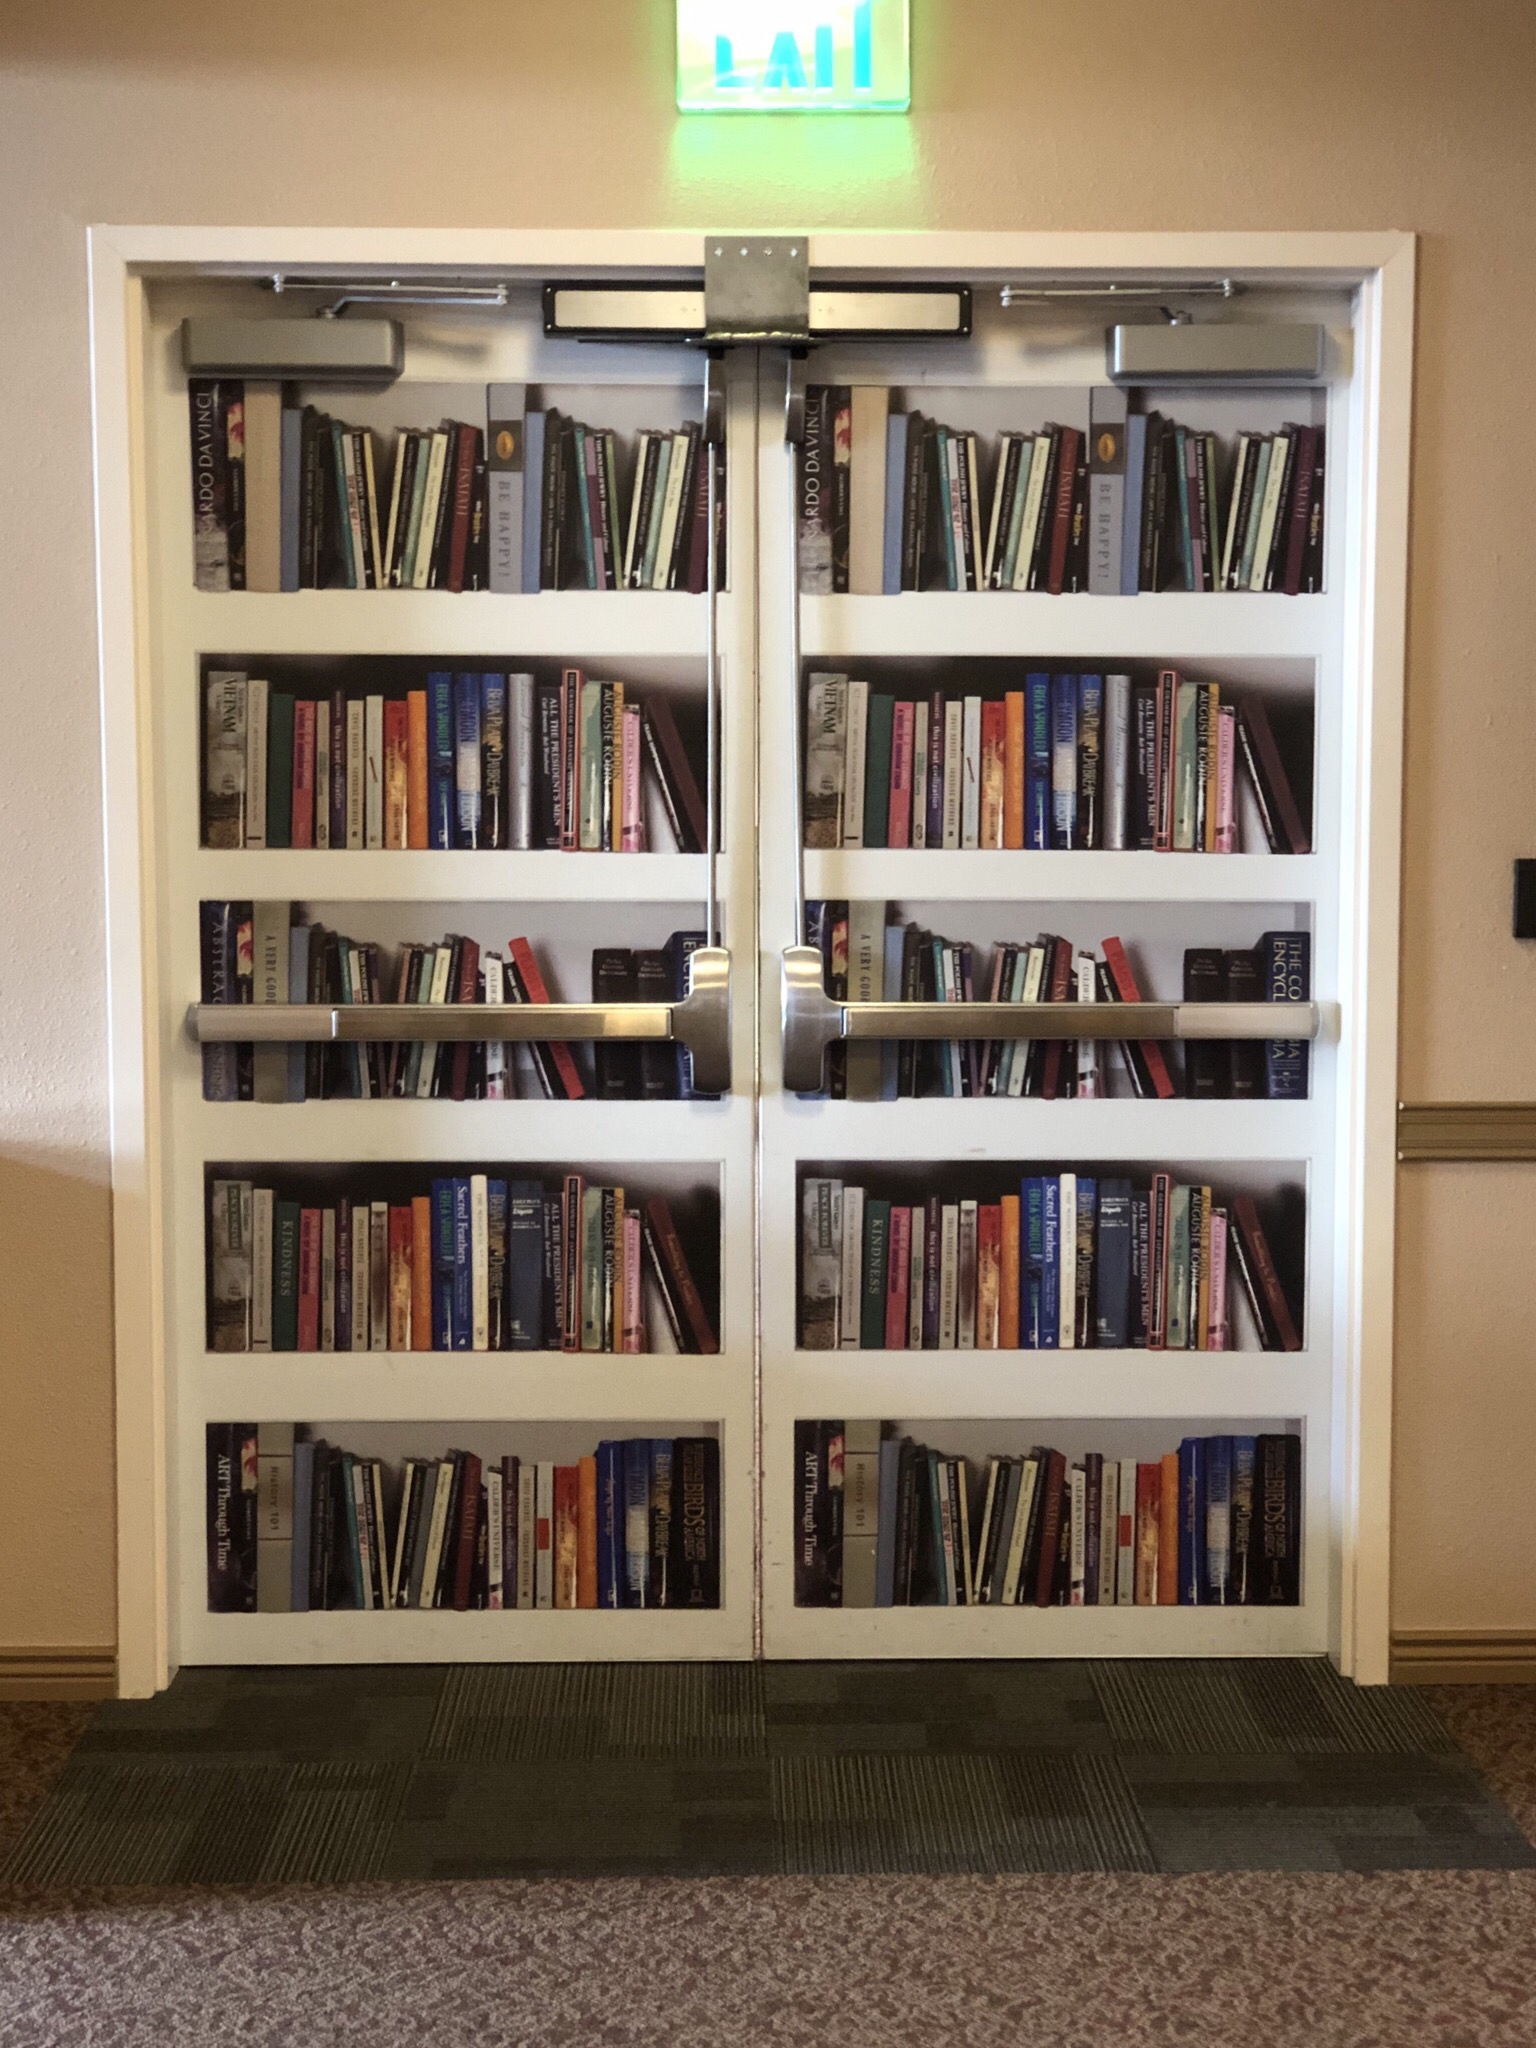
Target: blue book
{"points": [[466, 761], [1087, 1243], [1091, 811], [1218, 1520], [1064, 761], [525, 1265], [1037, 761], [1112, 1281], [584, 502], [610, 1524], [494, 755], [1244, 1462], [1192, 1522], [680, 947], [1285, 964], [1050, 1261], [885, 1527], [298, 992], [303, 1489], [1031, 1261], [1186, 538], [442, 1265], [219, 929], [291, 474], [1135, 494], [533, 497], [952, 580], [440, 762], [463, 1269], [896, 428], [496, 1205], [637, 1520], [662, 1507]]}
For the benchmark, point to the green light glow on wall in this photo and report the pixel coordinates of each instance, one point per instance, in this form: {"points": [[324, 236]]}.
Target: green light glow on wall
{"points": [[799, 56]]}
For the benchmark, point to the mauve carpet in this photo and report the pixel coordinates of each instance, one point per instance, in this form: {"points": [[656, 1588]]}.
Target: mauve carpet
{"points": [[1431, 1958]]}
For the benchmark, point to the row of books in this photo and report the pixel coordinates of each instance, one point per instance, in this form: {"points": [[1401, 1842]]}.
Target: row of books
{"points": [[1070, 761], [286, 498], [474, 1263], [1111, 502], [469, 761], [296, 1524], [882, 1521], [869, 958], [260, 953], [1072, 1261]]}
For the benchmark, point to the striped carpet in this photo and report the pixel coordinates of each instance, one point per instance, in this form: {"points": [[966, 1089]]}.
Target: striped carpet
{"points": [[411, 1774]]}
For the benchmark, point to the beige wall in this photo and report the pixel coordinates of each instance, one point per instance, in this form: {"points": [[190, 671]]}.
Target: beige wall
{"points": [[1211, 113]]}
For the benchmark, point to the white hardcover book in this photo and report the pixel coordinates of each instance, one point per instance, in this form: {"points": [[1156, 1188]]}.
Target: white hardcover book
{"points": [[323, 774], [480, 1262], [915, 1280], [996, 522], [1067, 1321], [970, 788], [1269, 511], [493, 1554], [434, 1557], [360, 1490], [544, 1536], [1029, 992], [1028, 1479], [495, 1048], [1240, 464], [949, 1274], [944, 1561], [437, 460], [261, 1269], [1077, 1495], [670, 511], [269, 968], [392, 520], [256, 694], [632, 526], [520, 745], [1087, 1048], [362, 1288], [410, 1479], [851, 1274], [826, 719], [857, 739], [920, 773], [1109, 1531], [821, 1261], [357, 749], [1125, 1550], [1115, 755], [954, 769], [965, 1309], [327, 1279], [373, 772], [378, 1277], [956, 511], [527, 1531], [969, 457], [1034, 497], [870, 411]]}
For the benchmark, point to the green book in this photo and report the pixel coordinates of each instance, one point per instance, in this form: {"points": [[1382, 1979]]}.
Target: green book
{"points": [[592, 1269], [877, 1239], [591, 809], [1178, 1270], [1248, 539], [877, 769], [279, 769], [285, 1276], [1186, 768], [411, 514]]}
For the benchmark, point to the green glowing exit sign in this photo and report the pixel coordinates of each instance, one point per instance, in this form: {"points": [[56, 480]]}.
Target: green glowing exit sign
{"points": [[802, 56]]}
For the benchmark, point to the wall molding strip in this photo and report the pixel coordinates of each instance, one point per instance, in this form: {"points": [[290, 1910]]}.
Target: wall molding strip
{"points": [[1466, 1131]]}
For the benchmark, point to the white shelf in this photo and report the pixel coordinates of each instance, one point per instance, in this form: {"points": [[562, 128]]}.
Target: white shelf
{"points": [[336, 876], [1045, 1632], [1023, 878], [471, 1387], [572, 625], [949, 1386], [1025, 1128], [658, 1133], [1161, 626], [409, 1636]]}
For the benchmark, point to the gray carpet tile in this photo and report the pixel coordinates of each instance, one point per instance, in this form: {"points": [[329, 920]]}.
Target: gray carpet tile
{"points": [[687, 1770]]}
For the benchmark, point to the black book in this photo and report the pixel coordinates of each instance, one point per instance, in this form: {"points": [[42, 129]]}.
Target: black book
{"points": [[912, 502], [1207, 1067], [447, 1563], [906, 1048], [311, 500], [442, 531], [906, 1521], [654, 1073], [320, 1526], [1274, 1569], [1245, 1056], [924, 1575], [1076, 576], [551, 501], [1040, 553], [616, 1065], [645, 487], [1312, 554], [315, 1064], [965, 558], [812, 1576], [1029, 1569], [231, 1519], [682, 538], [407, 456], [342, 1589], [1150, 509], [936, 532], [1005, 484], [1279, 540], [553, 1278], [694, 1564]]}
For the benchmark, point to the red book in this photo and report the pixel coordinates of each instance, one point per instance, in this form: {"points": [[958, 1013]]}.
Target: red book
{"points": [[1301, 510], [678, 1274], [402, 1247], [1123, 981], [1256, 1257], [468, 991], [1149, 1493], [533, 983], [1061, 516], [309, 1279], [464, 451], [899, 823], [303, 833], [898, 1267], [396, 772], [994, 793], [567, 1535], [468, 1532], [1055, 1477], [1058, 990], [989, 1275]]}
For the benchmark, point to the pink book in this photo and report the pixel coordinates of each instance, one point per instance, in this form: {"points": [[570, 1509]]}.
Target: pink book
{"points": [[899, 822], [310, 1235], [898, 1269], [634, 1275], [1226, 791], [632, 825], [304, 773], [1217, 1340]]}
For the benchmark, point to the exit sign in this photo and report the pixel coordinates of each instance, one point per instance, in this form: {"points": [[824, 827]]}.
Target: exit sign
{"points": [[800, 56]]}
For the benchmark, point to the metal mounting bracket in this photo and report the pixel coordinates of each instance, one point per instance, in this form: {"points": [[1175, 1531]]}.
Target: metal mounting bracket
{"points": [[756, 288]]}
